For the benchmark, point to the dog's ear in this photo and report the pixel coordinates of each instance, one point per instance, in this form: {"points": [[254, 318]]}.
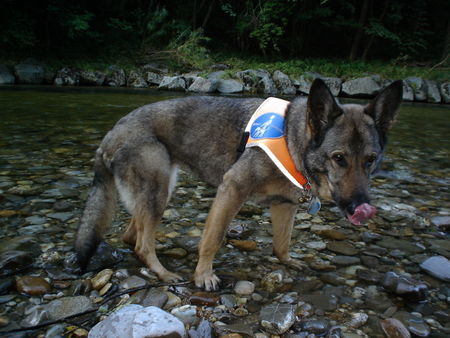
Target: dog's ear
{"points": [[384, 107], [322, 107]]}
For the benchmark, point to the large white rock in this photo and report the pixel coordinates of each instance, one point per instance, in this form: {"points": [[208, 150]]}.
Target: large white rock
{"points": [[136, 321]]}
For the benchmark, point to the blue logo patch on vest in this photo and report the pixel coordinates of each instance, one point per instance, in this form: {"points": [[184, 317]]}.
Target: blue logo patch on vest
{"points": [[270, 125]]}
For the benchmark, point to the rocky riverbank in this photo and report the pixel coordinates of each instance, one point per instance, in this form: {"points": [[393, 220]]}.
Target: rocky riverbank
{"points": [[219, 80]]}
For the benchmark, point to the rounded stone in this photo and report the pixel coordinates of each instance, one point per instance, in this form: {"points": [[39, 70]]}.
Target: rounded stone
{"points": [[32, 285], [101, 279], [244, 287]]}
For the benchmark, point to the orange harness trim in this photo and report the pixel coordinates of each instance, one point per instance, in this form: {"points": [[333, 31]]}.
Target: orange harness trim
{"points": [[266, 130]]}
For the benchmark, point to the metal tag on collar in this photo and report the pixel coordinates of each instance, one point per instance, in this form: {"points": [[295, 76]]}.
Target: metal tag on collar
{"points": [[314, 206]]}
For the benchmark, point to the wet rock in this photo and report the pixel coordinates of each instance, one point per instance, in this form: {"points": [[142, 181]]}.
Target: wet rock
{"points": [[321, 301], [441, 221], [283, 83], [437, 266], [332, 278], [277, 318], [155, 297], [419, 87], [229, 86], [100, 279], [377, 300], [370, 262], [316, 326], [4, 321], [202, 85], [14, 261], [204, 330], [61, 216], [29, 72], [369, 276], [172, 301], [404, 286], [132, 282], [92, 78], [172, 83], [413, 323], [136, 80], [433, 94], [244, 287], [67, 77], [393, 328], [345, 260], [316, 245], [369, 237], [400, 244], [228, 300], [204, 298], [408, 92], [6, 76], [57, 309], [362, 87], [239, 229], [115, 77], [186, 313], [343, 248], [175, 252], [32, 285], [272, 281], [357, 319], [153, 78], [243, 245], [139, 322], [6, 285], [444, 88], [63, 206], [188, 243], [333, 234]]}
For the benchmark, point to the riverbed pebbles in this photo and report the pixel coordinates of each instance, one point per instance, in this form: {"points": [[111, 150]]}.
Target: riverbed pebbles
{"points": [[387, 278]]}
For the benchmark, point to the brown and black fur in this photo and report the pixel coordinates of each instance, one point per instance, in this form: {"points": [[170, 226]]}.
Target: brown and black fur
{"points": [[336, 146]]}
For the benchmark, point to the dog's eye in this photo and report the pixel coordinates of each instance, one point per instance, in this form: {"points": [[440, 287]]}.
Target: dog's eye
{"points": [[371, 159], [338, 158]]}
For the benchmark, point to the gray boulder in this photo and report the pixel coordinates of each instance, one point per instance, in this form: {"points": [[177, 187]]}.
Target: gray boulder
{"points": [[419, 87], [172, 83], [445, 92], [362, 87], [202, 85], [6, 77], [29, 73], [153, 78], [229, 86], [136, 80], [56, 310], [257, 80], [216, 75], [138, 322], [67, 77], [116, 77], [92, 78], [408, 92], [305, 81], [190, 78], [283, 83], [433, 94]]}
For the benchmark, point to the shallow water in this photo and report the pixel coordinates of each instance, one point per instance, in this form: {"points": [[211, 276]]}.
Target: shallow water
{"points": [[47, 140]]}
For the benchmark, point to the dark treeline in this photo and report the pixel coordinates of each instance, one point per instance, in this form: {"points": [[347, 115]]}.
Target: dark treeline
{"points": [[355, 29]]}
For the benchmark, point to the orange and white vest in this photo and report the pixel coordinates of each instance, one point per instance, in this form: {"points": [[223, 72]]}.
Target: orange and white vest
{"points": [[266, 130]]}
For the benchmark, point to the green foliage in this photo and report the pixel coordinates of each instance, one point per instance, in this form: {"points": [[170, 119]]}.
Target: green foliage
{"points": [[188, 50]]}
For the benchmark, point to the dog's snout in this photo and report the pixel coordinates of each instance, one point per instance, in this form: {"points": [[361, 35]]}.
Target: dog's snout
{"points": [[355, 202]]}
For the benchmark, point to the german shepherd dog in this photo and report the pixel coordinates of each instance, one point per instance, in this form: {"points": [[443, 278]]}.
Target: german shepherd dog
{"points": [[336, 146]]}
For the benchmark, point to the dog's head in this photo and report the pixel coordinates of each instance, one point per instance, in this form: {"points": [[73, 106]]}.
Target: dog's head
{"points": [[346, 144]]}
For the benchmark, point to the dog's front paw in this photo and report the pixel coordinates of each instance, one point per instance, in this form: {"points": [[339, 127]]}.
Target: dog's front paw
{"points": [[169, 277], [208, 280]]}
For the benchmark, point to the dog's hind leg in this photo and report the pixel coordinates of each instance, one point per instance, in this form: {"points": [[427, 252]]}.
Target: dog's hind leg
{"points": [[282, 223], [129, 236], [143, 180]]}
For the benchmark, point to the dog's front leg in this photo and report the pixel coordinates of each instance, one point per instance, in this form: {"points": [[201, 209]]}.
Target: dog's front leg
{"points": [[282, 223], [229, 199]]}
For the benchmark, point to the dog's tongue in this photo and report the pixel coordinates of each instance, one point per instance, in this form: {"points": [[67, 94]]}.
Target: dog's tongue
{"points": [[362, 212]]}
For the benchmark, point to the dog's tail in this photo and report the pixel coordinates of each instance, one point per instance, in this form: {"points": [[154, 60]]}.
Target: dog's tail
{"points": [[98, 213]]}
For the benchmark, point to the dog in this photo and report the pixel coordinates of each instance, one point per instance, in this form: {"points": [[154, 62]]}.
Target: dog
{"points": [[335, 146]]}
